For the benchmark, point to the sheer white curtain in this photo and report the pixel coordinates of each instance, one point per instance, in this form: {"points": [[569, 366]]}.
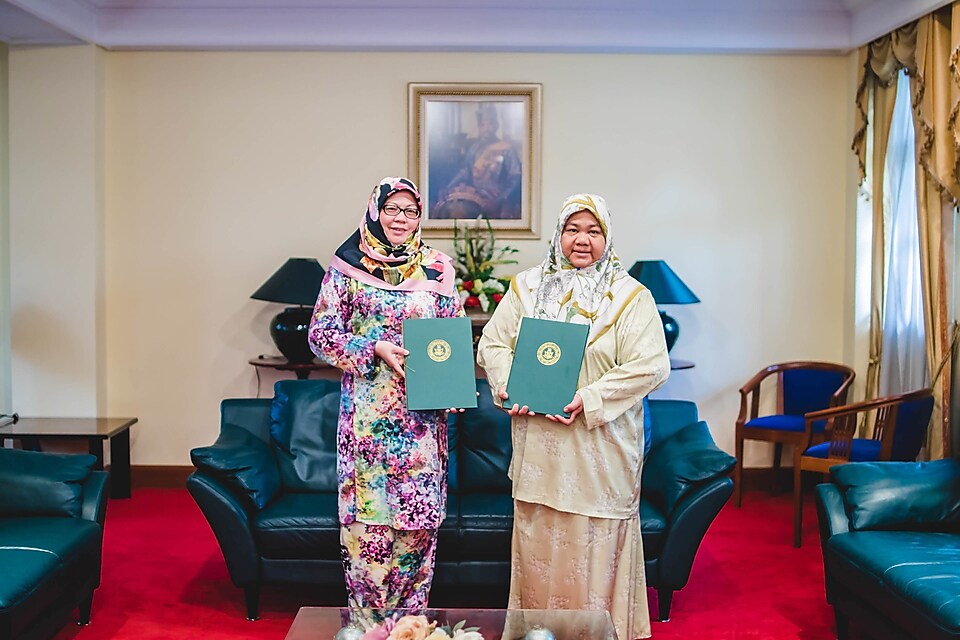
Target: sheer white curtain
{"points": [[903, 361]]}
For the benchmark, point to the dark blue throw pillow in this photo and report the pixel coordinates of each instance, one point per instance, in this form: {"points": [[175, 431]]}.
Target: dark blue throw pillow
{"points": [[303, 429], [242, 461], [901, 495], [34, 483], [685, 459]]}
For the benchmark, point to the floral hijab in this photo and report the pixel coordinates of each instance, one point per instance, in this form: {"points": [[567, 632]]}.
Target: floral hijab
{"points": [[369, 257], [595, 294]]}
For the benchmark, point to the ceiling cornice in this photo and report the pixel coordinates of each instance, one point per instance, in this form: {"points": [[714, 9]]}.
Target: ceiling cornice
{"points": [[668, 26]]}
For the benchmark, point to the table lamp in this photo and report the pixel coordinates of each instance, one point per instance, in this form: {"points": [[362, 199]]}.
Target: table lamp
{"points": [[296, 282], [667, 288]]}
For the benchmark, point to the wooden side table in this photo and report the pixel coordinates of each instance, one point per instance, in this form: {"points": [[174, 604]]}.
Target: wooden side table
{"points": [[279, 363], [94, 431]]}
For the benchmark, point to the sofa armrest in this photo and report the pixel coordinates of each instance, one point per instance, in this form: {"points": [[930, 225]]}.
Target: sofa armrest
{"points": [[831, 513], [681, 463], [243, 462], [231, 525], [686, 527], [94, 505]]}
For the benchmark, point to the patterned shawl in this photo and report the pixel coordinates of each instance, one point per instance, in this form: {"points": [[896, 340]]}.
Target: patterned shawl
{"points": [[595, 294], [367, 255]]}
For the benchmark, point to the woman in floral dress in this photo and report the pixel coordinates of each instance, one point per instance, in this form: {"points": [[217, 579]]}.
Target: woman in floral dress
{"points": [[391, 462]]}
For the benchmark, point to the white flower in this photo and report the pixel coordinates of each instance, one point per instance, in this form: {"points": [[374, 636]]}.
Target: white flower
{"points": [[484, 302], [438, 634], [460, 634], [463, 296], [494, 285]]}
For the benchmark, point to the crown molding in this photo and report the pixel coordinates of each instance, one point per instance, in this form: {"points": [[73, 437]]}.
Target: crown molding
{"points": [[628, 26]]}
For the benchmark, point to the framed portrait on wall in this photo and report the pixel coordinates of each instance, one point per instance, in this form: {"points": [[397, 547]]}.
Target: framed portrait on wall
{"points": [[474, 150]]}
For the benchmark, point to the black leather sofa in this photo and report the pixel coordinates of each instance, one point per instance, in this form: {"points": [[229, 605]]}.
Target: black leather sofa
{"points": [[52, 509], [890, 533], [267, 487]]}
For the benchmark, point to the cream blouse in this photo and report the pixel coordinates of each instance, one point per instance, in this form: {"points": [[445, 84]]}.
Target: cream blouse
{"points": [[591, 467]]}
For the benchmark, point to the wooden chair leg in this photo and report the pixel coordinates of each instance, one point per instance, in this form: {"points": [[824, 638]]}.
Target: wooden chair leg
{"points": [[738, 471], [777, 454], [797, 504]]}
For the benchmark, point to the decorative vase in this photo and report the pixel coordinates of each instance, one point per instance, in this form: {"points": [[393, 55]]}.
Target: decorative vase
{"points": [[289, 332], [539, 633], [671, 330], [349, 632]]}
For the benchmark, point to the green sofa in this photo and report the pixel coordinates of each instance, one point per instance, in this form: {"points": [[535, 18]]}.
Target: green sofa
{"points": [[52, 509], [268, 488], [890, 533]]}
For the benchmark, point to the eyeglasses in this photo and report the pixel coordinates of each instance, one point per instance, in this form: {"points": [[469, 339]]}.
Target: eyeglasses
{"points": [[392, 210]]}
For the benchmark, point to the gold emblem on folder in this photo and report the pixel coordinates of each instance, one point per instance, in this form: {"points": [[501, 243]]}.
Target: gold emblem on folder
{"points": [[548, 353], [439, 350]]}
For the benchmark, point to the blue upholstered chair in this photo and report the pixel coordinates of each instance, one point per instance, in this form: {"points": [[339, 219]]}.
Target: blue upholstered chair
{"points": [[801, 387], [899, 430]]}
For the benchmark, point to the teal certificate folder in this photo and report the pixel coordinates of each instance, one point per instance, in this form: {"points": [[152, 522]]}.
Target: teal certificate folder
{"points": [[439, 369], [546, 365]]}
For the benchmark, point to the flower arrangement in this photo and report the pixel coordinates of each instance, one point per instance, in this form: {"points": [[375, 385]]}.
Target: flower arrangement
{"points": [[412, 627], [475, 256]]}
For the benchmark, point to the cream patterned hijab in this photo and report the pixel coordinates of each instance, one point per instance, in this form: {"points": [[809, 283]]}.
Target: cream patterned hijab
{"points": [[594, 295]]}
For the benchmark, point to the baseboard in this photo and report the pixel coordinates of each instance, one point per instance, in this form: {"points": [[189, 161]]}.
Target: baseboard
{"points": [[159, 476], [762, 479]]}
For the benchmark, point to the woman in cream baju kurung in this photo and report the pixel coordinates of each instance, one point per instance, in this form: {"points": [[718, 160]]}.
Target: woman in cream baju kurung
{"points": [[576, 482]]}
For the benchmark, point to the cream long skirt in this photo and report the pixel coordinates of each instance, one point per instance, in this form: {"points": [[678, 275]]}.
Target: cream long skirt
{"points": [[567, 561]]}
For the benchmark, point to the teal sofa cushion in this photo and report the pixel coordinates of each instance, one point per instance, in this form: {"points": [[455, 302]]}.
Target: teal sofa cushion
{"points": [[303, 427], [42, 484], [901, 495], [676, 463], [243, 461]]}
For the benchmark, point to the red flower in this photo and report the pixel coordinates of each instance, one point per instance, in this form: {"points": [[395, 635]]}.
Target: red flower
{"points": [[497, 297], [472, 301], [468, 286]]}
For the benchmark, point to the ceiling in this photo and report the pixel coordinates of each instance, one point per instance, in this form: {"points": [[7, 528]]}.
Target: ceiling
{"points": [[696, 26]]}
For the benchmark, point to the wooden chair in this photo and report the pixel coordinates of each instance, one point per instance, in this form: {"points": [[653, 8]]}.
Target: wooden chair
{"points": [[900, 429], [802, 387]]}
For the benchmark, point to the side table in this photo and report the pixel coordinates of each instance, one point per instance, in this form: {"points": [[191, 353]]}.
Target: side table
{"points": [[279, 363], [94, 431]]}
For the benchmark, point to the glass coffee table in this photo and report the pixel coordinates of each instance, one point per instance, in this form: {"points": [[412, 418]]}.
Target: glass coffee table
{"points": [[324, 623]]}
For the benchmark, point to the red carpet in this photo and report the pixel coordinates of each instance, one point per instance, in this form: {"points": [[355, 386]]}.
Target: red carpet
{"points": [[164, 577]]}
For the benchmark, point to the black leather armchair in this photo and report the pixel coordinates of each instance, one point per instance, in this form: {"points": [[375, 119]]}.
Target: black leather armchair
{"points": [[52, 510], [268, 489]]}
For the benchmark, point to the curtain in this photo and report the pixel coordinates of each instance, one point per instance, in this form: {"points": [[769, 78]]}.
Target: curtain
{"points": [[928, 50], [903, 361], [880, 63]]}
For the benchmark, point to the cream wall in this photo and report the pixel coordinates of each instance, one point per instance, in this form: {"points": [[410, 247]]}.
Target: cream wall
{"points": [[56, 231], [5, 393], [219, 166]]}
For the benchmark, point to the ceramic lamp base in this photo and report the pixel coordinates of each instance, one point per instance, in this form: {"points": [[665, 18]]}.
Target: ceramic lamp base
{"points": [[289, 332], [671, 330]]}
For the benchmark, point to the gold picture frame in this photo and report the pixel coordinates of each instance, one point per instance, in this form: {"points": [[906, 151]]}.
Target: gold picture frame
{"points": [[474, 149]]}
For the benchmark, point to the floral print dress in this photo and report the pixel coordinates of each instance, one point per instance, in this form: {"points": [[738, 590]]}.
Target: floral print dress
{"points": [[391, 462]]}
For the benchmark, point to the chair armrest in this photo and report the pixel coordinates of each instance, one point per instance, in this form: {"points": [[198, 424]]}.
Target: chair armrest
{"points": [[94, 505], [231, 525], [687, 526]]}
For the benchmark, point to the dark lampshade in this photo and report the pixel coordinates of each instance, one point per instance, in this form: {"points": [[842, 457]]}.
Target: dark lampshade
{"points": [[666, 288], [296, 282], [665, 285]]}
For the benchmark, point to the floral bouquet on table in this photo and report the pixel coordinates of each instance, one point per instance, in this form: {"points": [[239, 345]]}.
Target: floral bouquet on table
{"points": [[475, 256], [412, 627]]}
